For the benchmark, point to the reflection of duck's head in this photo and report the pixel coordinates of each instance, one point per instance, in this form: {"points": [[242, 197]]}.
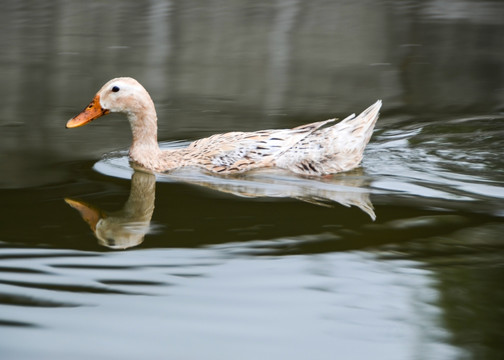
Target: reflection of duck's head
{"points": [[114, 232], [127, 227]]}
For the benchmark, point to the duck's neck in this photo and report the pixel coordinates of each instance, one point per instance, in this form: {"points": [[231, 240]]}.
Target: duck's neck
{"points": [[144, 148]]}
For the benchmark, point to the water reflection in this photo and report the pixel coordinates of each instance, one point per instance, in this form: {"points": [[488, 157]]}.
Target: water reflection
{"points": [[127, 227], [348, 189]]}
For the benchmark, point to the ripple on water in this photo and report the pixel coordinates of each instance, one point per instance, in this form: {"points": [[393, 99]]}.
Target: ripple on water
{"points": [[454, 161], [44, 278], [205, 296]]}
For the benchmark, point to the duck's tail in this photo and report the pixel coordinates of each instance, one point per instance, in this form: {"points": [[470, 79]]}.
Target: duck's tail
{"points": [[362, 126], [348, 139], [332, 149]]}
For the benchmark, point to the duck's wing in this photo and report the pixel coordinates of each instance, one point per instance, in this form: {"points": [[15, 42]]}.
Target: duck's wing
{"points": [[236, 152]]}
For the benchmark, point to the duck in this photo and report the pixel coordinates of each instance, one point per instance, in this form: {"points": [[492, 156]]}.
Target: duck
{"points": [[313, 149]]}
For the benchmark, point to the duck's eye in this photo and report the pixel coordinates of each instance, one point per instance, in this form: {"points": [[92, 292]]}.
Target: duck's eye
{"points": [[115, 89]]}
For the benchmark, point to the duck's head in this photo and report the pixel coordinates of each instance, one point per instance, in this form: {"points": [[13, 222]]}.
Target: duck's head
{"points": [[123, 95]]}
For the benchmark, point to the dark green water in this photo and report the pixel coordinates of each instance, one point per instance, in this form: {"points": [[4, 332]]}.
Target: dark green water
{"points": [[268, 265]]}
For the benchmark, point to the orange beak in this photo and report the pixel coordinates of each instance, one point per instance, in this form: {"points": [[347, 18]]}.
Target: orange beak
{"points": [[89, 213], [91, 112]]}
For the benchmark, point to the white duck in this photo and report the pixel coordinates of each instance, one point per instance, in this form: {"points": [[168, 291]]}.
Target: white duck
{"points": [[308, 149]]}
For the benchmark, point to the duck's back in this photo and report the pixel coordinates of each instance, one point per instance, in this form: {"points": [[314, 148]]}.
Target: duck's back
{"points": [[309, 149], [236, 152]]}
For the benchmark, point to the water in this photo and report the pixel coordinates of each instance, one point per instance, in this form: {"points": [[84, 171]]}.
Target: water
{"points": [[399, 259]]}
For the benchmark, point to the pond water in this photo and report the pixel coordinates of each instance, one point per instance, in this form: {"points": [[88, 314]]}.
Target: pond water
{"points": [[402, 258]]}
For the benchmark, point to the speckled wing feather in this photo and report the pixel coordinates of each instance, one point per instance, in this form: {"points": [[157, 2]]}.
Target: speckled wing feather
{"points": [[236, 152], [310, 149]]}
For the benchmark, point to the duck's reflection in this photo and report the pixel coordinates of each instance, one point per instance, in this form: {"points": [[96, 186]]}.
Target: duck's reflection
{"points": [[127, 227], [347, 189]]}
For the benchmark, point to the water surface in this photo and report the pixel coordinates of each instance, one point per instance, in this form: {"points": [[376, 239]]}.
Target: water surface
{"points": [[401, 258]]}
